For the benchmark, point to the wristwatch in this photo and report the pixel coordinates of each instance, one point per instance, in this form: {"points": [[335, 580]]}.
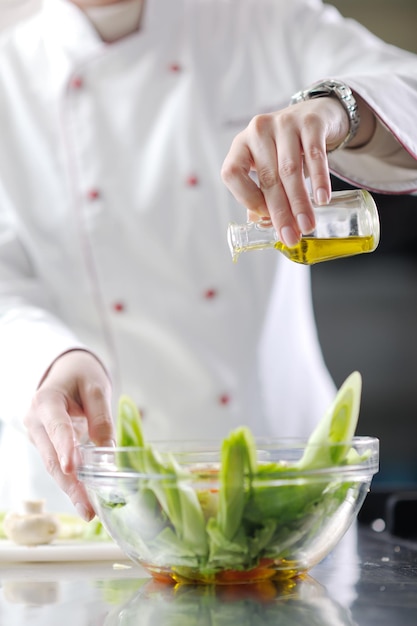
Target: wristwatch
{"points": [[336, 89]]}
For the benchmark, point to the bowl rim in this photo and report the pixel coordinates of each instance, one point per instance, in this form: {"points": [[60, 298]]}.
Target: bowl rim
{"points": [[92, 459], [268, 442]]}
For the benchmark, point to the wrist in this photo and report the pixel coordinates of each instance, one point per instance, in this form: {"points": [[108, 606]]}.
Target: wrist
{"points": [[332, 88], [72, 354]]}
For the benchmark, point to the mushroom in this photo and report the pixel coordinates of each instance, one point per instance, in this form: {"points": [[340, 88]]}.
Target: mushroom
{"points": [[31, 527]]}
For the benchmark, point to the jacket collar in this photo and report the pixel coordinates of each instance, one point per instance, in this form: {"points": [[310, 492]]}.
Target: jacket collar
{"points": [[63, 23]]}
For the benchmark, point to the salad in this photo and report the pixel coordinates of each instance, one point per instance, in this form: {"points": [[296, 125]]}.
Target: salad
{"points": [[243, 517]]}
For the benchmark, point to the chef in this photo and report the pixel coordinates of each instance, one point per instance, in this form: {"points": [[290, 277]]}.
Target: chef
{"points": [[115, 276]]}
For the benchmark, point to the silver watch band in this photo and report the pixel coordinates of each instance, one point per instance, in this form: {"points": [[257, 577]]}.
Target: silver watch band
{"points": [[339, 90]]}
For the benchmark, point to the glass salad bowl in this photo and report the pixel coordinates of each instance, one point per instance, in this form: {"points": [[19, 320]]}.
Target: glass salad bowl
{"points": [[239, 510], [244, 511]]}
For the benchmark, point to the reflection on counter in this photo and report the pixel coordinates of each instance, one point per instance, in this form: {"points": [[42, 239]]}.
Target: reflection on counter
{"points": [[31, 592], [301, 602], [145, 602], [68, 593], [113, 594]]}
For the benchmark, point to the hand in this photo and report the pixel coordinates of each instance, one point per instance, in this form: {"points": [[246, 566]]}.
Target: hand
{"points": [[72, 403], [282, 147]]}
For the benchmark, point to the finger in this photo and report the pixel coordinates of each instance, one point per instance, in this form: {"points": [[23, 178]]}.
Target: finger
{"points": [[316, 162], [95, 400], [300, 217], [67, 482], [49, 413], [265, 161], [235, 174]]}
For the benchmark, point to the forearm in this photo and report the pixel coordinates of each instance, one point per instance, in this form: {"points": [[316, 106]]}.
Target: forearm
{"points": [[384, 160], [373, 137], [382, 144]]}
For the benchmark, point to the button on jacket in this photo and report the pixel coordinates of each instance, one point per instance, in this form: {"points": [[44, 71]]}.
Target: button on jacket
{"points": [[113, 216]]}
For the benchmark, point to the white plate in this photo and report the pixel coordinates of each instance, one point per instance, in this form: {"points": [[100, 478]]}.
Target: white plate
{"points": [[62, 551]]}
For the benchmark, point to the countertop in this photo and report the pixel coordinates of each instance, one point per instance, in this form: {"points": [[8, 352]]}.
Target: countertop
{"points": [[369, 580]]}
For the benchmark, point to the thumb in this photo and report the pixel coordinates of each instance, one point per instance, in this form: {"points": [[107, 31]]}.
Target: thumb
{"points": [[97, 409]]}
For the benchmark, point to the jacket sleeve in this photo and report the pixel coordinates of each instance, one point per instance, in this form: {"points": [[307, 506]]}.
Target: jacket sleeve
{"points": [[31, 337], [327, 45]]}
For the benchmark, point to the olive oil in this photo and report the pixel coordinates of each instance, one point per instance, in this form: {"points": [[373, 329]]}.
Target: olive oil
{"points": [[311, 250]]}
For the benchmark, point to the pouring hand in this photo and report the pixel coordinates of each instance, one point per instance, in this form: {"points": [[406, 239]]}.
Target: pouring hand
{"points": [[281, 148]]}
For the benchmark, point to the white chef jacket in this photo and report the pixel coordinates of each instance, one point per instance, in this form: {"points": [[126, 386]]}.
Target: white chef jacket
{"points": [[113, 216]]}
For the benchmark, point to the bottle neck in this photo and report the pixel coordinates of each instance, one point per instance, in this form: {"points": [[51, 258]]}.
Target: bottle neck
{"points": [[250, 236]]}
